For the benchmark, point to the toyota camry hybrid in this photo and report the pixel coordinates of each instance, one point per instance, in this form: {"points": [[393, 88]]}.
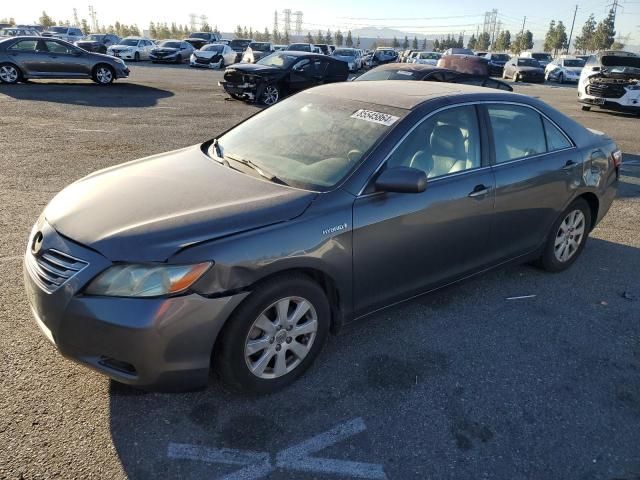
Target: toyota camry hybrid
{"points": [[242, 254]]}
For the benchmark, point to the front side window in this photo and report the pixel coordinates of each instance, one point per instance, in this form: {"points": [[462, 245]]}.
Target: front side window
{"points": [[55, 47], [25, 46], [447, 142], [310, 141], [517, 132]]}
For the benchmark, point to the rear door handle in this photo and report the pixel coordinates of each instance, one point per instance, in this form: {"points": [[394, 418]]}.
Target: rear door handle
{"points": [[479, 191]]}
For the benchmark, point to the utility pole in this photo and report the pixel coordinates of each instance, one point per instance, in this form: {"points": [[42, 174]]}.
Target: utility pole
{"points": [[571, 32], [94, 18], [523, 22]]}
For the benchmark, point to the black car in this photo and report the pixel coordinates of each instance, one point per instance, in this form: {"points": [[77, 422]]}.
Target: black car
{"points": [[98, 42], [200, 39], [239, 45], [416, 71], [523, 69], [242, 254], [496, 63], [281, 74]]}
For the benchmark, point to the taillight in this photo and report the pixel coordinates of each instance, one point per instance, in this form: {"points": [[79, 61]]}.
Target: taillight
{"points": [[616, 156]]}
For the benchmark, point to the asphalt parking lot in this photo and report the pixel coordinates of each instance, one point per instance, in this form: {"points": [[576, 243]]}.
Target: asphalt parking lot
{"points": [[462, 384]]}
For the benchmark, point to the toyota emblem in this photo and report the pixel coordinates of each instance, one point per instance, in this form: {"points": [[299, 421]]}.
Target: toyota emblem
{"points": [[36, 243]]}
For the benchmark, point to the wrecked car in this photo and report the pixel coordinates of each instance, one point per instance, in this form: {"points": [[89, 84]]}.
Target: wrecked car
{"points": [[611, 79], [281, 73]]}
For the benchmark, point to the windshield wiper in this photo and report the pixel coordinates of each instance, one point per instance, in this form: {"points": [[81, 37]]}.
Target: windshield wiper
{"points": [[218, 153], [261, 170]]}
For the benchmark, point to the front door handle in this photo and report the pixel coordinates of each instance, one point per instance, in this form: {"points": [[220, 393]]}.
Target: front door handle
{"points": [[569, 165], [479, 191]]}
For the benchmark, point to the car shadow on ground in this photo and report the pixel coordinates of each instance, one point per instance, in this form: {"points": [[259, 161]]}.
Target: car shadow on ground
{"points": [[87, 93], [460, 378]]}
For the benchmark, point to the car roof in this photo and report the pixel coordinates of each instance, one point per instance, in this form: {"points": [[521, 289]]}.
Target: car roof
{"points": [[406, 95]]}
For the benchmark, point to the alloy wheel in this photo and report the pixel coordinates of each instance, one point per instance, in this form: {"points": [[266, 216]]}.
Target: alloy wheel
{"points": [[281, 337], [9, 74], [104, 75], [270, 95], [569, 236]]}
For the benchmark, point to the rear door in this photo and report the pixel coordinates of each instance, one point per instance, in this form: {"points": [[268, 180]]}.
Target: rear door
{"points": [[25, 54], [537, 169]]}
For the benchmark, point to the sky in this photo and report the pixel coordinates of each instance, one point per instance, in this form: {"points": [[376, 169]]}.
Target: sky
{"points": [[429, 17]]}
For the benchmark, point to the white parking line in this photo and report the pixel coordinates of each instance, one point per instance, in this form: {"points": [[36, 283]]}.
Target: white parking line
{"points": [[259, 465]]}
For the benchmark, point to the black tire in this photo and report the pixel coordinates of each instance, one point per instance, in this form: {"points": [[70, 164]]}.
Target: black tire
{"points": [[10, 73], [516, 77], [221, 64], [586, 108], [229, 356], [136, 57], [236, 96], [548, 260], [103, 74]]}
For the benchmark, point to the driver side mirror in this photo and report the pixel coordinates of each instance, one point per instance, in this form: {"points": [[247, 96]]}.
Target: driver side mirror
{"points": [[402, 180]]}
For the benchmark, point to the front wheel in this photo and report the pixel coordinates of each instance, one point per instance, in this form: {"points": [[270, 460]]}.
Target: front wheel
{"points": [[103, 75], [9, 73], [271, 95], [274, 336], [567, 237]]}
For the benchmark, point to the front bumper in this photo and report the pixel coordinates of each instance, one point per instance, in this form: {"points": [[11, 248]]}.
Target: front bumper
{"points": [[122, 71], [205, 62], [123, 55], [629, 102], [163, 59], [246, 91], [154, 343]]}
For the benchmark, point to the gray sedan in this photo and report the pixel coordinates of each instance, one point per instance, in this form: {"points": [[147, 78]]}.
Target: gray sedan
{"points": [[243, 253], [25, 58]]}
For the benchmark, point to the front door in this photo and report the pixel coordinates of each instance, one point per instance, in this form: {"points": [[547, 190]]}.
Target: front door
{"points": [[64, 60], [407, 243]]}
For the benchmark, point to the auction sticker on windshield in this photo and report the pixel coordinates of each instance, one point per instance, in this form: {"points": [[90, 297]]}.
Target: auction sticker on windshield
{"points": [[375, 117]]}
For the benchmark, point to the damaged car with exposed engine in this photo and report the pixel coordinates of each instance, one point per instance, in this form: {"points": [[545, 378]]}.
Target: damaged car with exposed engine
{"points": [[611, 79], [280, 74]]}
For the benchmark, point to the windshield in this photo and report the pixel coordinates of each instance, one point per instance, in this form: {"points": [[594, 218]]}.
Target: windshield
{"points": [[239, 44], [259, 46], [58, 29], [96, 38], [500, 57], [528, 62], [299, 47], [344, 52], [388, 75], [621, 64], [310, 141], [169, 44], [212, 48], [202, 35], [541, 56], [129, 42], [574, 63], [278, 59], [429, 56]]}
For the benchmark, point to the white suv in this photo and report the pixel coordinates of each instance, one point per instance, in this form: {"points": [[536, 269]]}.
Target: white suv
{"points": [[611, 79], [132, 48], [68, 34]]}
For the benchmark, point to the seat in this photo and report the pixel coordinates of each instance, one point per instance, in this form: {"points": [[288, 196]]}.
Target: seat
{"points": [[447, 150]]}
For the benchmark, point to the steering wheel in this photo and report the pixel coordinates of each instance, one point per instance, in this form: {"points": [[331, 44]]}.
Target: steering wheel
{"points": [[354, 155]]}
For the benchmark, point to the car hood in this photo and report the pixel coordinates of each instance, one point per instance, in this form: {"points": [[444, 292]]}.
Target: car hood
{"points": [[254, 69], [148, 209], [206, 53]]}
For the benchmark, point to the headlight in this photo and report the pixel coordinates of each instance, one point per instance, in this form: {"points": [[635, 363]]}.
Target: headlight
{"points": [[131, 280]]}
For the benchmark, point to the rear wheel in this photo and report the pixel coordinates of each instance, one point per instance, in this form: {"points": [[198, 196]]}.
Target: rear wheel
{"points": [[274, 336], [9, 73], [103, 75], [567, 237]]}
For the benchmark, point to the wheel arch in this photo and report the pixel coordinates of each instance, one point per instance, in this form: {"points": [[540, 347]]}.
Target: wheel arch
{"points": [[95, 67], [594, 206]]}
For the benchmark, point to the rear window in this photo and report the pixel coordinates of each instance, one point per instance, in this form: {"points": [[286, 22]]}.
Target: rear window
{"points": [[259, 46], [388, 75], [344, 52], [573, 63], [237, 44], [528, 62], [200, 35], [541, 56]]}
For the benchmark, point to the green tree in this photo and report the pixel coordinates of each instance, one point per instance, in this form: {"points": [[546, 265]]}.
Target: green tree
{"points": [[276, 36], [405, 44], [395, 43], [153, 33], [215, 30], [205, 27], [436, 45], [349, 41], [414, 44], [319, 38], [605, 33], [285, 38], [266, 36], [84, 25], [483, 42], [245, 32], [339, 38], [522, 42], [238, 32], [328, 38], [472, 42], [45, 20], [424, 43], [617, 46], [585, 41], [503, 41], [460, 43], [550, 37], [358, 41], [309, 37]]}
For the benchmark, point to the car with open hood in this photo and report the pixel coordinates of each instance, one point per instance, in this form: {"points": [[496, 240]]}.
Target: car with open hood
{"points": [[429, 73], [564, 69], [171, 51], [240, 255], [213, 55], [611, 79], [257, 50], [523, 69], [98, 42], [281, 74]]}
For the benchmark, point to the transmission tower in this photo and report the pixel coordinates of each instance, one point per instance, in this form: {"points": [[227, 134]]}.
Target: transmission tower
{"points": [[76, 20], [298, 16], [203, 21], [192, 21], [94, 18], [287, 20], [275, 20]]}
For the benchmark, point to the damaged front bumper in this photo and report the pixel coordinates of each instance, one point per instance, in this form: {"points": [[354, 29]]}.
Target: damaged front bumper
{"points": [[249, 91], [611, 93]]}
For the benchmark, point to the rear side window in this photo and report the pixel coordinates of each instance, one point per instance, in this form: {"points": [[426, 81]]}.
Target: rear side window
{"points": [[555, 138], [517, 132]]}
